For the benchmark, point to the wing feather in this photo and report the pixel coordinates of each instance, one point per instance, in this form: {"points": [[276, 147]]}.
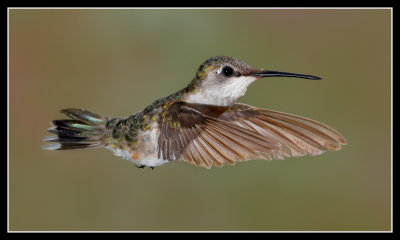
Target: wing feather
{"points": [[203, 140], [195, 134], [298, 135]]}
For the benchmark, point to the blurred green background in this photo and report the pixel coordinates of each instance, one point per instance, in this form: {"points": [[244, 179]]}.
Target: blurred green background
{"points": [[116, 62]]}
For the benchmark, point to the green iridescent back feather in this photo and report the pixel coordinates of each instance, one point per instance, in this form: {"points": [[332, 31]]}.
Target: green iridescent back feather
{"points": [[124, 131]]}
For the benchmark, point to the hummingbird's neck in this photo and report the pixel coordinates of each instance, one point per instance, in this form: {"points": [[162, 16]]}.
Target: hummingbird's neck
{"points": [[220, 94]]}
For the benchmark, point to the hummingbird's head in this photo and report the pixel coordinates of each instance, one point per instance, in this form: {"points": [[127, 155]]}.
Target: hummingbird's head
{"points": [[222, 80]]}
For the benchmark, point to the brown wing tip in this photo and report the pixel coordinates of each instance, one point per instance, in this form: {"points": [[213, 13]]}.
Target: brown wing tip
{"points": [[342, 140], [339, 141]]}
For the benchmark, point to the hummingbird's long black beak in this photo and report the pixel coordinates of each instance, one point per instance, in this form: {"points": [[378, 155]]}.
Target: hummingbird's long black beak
{"points": [[267, 73]]}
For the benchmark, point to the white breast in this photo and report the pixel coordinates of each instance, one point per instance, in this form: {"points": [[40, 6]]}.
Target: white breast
{"points": [[146, 149], [147, 146]]}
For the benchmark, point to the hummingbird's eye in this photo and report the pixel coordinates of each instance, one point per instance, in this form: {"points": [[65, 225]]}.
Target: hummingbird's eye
{"points": [[227, 71]]}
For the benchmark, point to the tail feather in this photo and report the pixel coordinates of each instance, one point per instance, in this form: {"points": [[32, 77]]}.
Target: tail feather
{"points": [[83, 130], [84, 116]]}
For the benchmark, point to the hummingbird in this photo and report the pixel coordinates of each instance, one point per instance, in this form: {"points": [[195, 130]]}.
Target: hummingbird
{"points": [[202, 124]]}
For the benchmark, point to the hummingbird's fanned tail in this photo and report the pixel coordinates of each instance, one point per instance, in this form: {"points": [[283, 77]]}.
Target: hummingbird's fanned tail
{"points": [[83, 130]]}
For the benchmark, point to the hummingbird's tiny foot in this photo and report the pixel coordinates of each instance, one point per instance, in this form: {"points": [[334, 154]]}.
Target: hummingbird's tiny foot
{"points": [[152, 168]]}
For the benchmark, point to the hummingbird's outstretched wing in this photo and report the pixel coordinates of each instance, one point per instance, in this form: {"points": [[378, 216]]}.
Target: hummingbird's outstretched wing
{"points": [[297, 135], [193, 134], [204, 135]]}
